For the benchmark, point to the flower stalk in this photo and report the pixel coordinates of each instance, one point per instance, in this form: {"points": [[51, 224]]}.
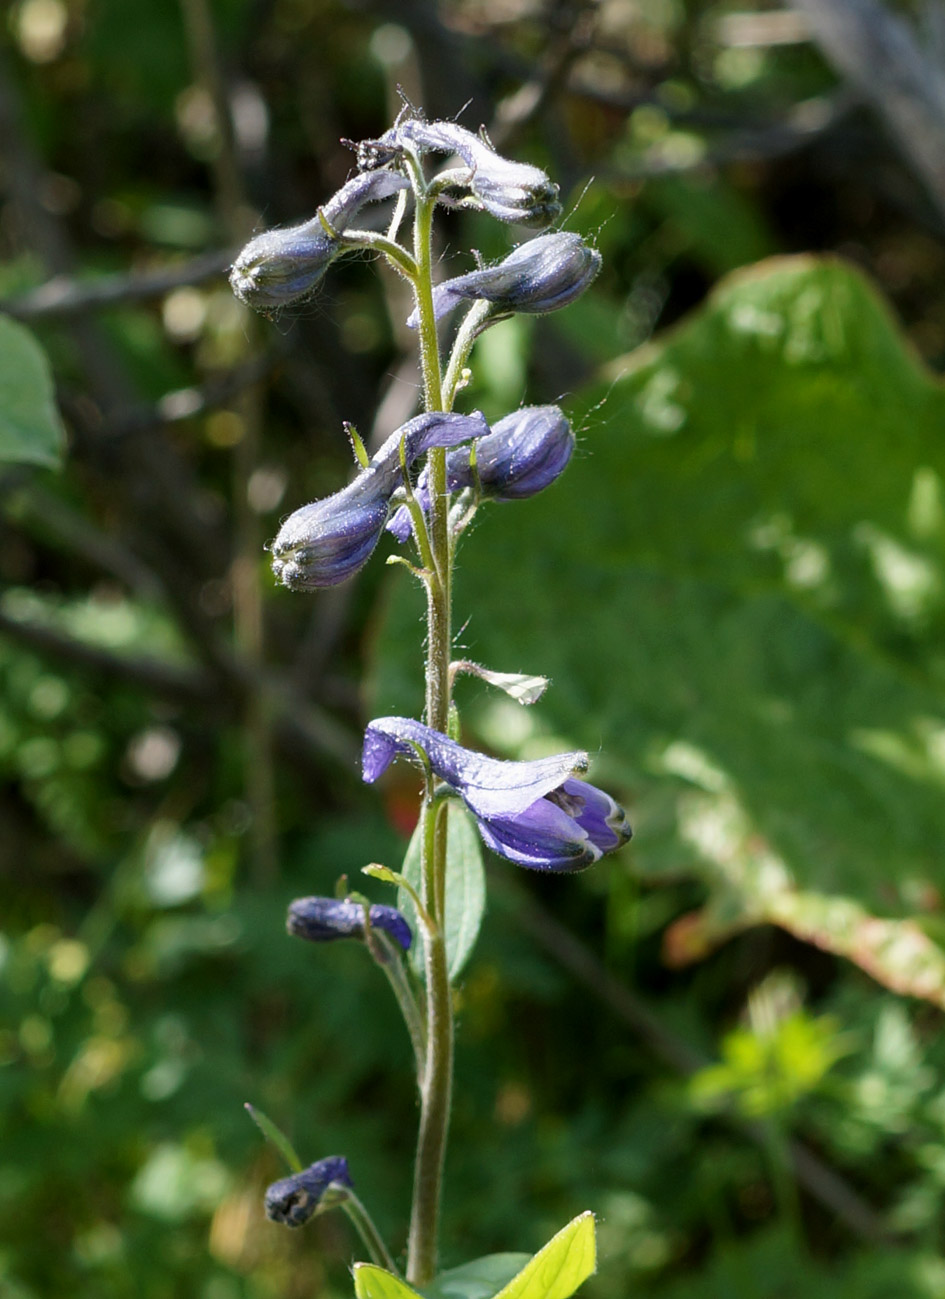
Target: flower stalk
{"points": [[437, 1078]]}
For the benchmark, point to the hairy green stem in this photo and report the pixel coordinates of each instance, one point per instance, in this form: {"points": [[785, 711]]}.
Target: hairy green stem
{"points": [[436, 1080]]}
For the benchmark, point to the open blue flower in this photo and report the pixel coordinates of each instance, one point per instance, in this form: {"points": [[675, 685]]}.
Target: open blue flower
{"points": [[293, 1200], [323, 920], [533, 813]]}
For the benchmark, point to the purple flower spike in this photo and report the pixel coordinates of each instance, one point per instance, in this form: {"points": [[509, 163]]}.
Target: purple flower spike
{"points": [[525, 452], [532, 813], [325, 543], [323, 920], [295, 1199], [279, 267], [541, 275]]}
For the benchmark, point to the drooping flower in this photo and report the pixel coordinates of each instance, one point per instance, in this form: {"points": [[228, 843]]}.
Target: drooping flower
{"points": [[533, 813], [279, 267], [510, 191], [325, 543], [525, 452], [323, 920], [293, 1200], [538, 276]]}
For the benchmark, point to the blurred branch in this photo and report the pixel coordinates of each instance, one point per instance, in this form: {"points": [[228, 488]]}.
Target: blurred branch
{"points": [[823, 1183], [878, 53], [66, 296]]}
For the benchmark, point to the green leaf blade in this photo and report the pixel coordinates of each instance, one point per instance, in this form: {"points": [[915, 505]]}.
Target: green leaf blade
{"points": [[465, 889], [481, 1278], [561, 1266], [31, 430], [373, 1282]]}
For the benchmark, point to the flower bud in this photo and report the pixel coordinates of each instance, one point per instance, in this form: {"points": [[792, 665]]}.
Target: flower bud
{"points": [[325, 543], [279, 267], [525, 452], [293, 1200], [323, 920], [510, 191], [541, 275]]}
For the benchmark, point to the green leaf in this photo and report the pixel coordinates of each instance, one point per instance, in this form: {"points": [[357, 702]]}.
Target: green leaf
{"points": [[479, 1279], [465, 889], [557, 1270], [31, 430], [275, 1134], [372, 1282], [739, 591]]}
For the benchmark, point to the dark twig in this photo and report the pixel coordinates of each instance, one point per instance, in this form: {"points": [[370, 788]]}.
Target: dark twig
{"points": [[66, 296]]}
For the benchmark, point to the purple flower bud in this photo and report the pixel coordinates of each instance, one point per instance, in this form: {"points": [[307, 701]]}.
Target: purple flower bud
{"points": [[524, 453], [533, 813], [541, 275], [510, 191], [295, 1199], [325, 543], [278, 267], [323, 920]]}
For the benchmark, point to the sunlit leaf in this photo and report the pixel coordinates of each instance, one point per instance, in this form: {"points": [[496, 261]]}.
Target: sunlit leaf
{"points": [[739, 591], [372, 1282], [560, 1267]]}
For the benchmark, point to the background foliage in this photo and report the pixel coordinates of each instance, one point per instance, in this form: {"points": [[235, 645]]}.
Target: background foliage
{"points": [[726, 1041]]}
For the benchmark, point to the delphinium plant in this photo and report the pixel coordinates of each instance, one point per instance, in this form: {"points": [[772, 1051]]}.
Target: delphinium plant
{"points": [[425, 485]]}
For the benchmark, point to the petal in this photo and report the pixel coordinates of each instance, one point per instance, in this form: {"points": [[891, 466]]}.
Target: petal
{"points": [[490, 787], [602, 818], [293, 1200], [543, 837]]}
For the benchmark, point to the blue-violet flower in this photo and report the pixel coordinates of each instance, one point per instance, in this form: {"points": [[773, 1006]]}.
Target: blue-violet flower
{"points": [[541, 275], [293, 1200], [525, 452], [533, 813], [323, 920], [326, 542], [279, 267]]}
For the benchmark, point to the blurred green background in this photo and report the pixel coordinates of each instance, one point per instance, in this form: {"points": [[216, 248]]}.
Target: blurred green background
{"points": [[725, 1041]]}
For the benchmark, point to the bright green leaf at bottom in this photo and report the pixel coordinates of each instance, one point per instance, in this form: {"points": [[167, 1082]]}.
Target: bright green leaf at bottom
{"points": [[557, 1270], [479, 1279], [372, 1282]]}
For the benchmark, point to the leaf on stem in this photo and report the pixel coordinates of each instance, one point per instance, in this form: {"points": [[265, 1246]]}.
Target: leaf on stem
{"points": [[557, 1270], [373, 1282], [276, 1136], [481, 1278], [465, 889], [523, 687]]}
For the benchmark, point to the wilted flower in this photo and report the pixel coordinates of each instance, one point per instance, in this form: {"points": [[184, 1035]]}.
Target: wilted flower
{"points": [[508, 190], [323, 920], [533, 813], [541, 275], [326, 542], [278, 267], [293, 1200], [524, 453]]}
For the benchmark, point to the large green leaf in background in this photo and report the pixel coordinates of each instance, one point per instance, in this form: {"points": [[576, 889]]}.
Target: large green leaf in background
{"points": [[30, 427], [737, 589]]}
